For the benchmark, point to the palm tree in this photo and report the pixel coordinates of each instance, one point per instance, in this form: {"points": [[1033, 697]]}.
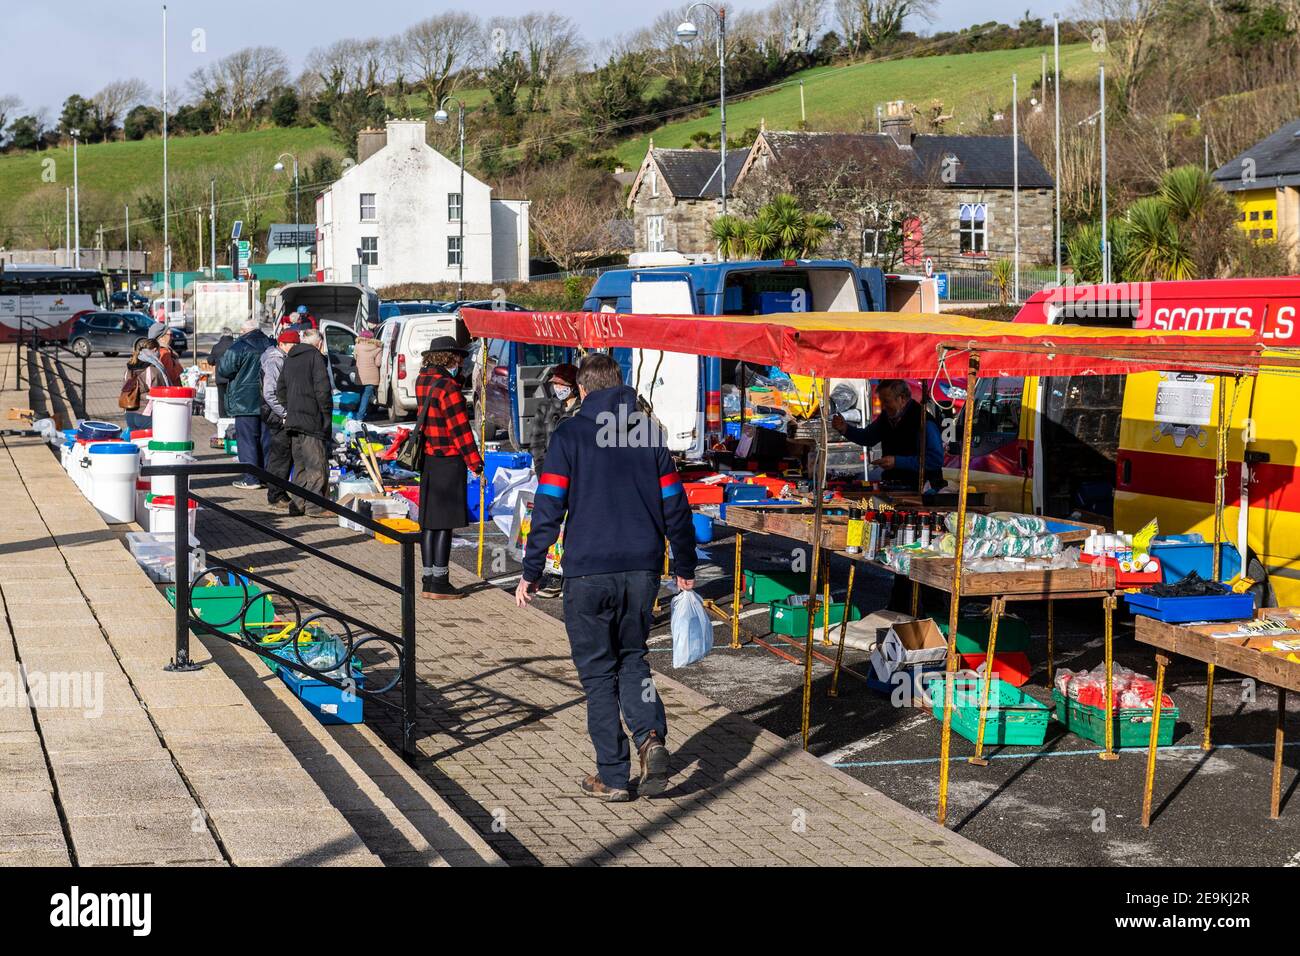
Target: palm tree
{"points": [[1002, 270], [1186, 191], [1155, 248], [780, 230]]}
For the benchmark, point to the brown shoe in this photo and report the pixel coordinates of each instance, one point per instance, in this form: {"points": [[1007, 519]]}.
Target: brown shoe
{"points": [[593, 786], [654, 766]]}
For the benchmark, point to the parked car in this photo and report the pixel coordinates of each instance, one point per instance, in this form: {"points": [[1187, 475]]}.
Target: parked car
{"points": [[395, 307], [171, 311], [113, 333], [132, 301]]}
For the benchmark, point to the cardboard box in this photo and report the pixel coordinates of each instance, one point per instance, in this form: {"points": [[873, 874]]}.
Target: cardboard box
{"points": [[21, 415], [907, 643]]}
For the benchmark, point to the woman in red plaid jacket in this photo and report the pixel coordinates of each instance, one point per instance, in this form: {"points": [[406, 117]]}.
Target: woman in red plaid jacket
{"points": [[449, 451]]}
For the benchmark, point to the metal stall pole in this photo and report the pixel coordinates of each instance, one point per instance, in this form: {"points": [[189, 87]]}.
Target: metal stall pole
{"points": [[737, 577], [826, 599], [1051, 643], [654, 608], [18, 354], [1161, 663], [920, 483], [979, 759], [1279, 742], [950, 668], [844, 627], [1220, 478], [1108, 608], [408, 651], [482, 418], [820, 488], [181, 543]]}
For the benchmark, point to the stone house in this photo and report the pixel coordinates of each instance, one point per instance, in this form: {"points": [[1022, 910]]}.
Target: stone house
{"points": [[676, 195], [949, 197]]}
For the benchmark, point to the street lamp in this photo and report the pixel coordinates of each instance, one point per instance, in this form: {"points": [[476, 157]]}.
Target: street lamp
{"points": [[76, 201], [297, 226], [441, 117], [688, 31]]}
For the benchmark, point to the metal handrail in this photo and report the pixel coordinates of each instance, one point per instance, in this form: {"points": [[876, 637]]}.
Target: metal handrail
{"points": [[185, 619], [36, 344]]}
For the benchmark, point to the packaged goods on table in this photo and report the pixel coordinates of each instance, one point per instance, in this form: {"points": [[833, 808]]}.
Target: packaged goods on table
{"points": [[1042, 545]]}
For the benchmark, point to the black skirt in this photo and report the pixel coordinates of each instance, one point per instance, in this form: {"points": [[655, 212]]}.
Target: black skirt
{"points": [[443, 502]]}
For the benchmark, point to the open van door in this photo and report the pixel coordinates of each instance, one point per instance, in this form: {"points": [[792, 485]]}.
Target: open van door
{"points": [[340, 355], [668, 381]]}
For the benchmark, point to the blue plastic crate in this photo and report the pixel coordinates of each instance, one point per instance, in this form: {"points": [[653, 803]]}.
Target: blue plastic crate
{"points": [[740, 492], [1180, 556], [1180, 610], [329, 704]]}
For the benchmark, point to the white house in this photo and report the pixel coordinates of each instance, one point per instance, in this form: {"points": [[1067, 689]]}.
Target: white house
{"points": [[398, 210]]}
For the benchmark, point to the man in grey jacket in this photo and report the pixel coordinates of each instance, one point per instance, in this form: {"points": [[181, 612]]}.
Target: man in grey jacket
{"points": [[279, 458]]}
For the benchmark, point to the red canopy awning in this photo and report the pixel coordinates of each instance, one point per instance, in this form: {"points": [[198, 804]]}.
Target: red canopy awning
{"points": [[882, 345]]}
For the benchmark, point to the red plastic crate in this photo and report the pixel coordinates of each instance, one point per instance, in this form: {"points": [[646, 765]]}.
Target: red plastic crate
{"points": [[699, 493]]}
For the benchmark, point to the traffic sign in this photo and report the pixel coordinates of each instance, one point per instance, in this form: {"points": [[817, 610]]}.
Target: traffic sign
{"points": [[929, 267], [941, 285], [236, 229]]}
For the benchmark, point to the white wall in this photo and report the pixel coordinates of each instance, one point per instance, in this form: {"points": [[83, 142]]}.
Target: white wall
{"points": [[510, 240], [410, 181]]}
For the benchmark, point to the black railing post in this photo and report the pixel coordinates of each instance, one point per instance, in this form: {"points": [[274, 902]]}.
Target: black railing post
{"points": [[408, 650], [18, 353], [85, 407], [181, 512]]}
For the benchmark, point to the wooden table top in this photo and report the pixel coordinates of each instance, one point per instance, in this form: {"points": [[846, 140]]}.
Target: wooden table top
{"points": [[1241, 655]]}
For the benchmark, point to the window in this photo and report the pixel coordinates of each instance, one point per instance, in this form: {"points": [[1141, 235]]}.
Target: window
{"points": [[453, 207], [367, 207], [370, 250], [1268, 215], [654, 233], [873, 242], [453, 251], [1268, 234], [972, 226], [1240, 218], [654, 182]]}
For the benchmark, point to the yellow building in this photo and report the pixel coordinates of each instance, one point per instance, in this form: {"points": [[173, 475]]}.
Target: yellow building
{"points": [[1264, 181]]}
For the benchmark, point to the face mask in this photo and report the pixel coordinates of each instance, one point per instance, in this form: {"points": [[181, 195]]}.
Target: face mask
{"points": [[562, 392]]}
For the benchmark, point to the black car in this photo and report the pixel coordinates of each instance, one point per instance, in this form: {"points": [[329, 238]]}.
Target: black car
{"points": [[119, 300], [113, 333]]}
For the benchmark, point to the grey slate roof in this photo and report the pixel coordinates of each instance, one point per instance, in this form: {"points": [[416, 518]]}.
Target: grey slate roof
{"points": [[1276, 158], [982, 161], [693, 173]]}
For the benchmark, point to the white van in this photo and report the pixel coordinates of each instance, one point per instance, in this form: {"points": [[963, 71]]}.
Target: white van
{"points": [[405, 339]]}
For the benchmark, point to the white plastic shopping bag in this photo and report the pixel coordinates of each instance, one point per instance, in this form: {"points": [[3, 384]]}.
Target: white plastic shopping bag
{"points": [[692, 630]]}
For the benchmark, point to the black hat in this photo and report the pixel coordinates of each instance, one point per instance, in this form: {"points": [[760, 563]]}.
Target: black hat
{"points": [[445, 343]]}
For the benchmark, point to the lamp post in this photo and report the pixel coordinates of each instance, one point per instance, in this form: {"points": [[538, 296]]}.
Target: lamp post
{"points": [[688, 31], [441, 117], [76, 203], [297, 226]]}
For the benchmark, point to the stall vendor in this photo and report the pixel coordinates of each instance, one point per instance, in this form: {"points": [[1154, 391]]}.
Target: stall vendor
{"points": [[897, 429]]}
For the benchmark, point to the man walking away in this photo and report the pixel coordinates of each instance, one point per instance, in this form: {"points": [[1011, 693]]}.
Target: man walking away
{"points": [[279, 458], [241, 366], [214, 357], [610, 482], [304, 393]]}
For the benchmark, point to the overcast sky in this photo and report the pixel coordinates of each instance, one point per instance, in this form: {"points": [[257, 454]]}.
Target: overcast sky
{"points": [[53, 49]]}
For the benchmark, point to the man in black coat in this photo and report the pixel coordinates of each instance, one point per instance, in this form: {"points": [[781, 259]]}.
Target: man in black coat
{"points": [[305, 394], [241, 367]]}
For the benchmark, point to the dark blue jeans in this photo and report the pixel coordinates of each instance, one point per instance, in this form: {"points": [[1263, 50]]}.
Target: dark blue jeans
{"points": [[252, 440], [608, 617]]}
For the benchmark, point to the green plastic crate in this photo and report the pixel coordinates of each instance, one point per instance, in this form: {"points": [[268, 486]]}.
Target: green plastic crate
{"points": [[1132, 724], [764, 587], [973, 634], [232, 448], [219, 605], [1013, 716], [792, 620]]}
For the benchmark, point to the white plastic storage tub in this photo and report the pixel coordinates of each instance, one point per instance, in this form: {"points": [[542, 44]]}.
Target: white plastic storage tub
{"points": [[172, 408], [161, 510], [112, 469], [168, 453]]}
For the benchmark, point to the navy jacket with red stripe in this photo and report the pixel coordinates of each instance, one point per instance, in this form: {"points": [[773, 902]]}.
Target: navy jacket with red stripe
{"points": [[610, 483]]}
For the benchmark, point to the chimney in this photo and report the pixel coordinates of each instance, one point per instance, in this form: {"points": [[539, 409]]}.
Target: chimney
{"points": [[369, 142], [897, 123]]}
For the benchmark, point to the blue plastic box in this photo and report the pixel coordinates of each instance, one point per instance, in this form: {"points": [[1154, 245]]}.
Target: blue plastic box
{"points": [[1180, 610], [1180, 555], [329, 704], [738, 492]]}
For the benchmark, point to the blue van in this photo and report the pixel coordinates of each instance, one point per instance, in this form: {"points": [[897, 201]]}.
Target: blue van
{"points": [[682, 388]]}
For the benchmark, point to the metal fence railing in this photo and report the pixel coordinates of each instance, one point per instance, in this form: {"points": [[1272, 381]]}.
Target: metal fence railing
{"points": [[52, 370], [979, 285]]}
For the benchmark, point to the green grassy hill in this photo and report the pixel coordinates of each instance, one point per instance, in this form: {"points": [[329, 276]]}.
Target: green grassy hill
{"points": [[121, 169], [845, 98]]}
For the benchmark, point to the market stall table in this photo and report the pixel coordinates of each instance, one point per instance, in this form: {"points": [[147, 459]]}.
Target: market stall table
{"points": [[1241, 655]]}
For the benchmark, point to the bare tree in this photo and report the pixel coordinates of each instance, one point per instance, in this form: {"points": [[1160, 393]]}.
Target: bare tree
{"points": [[117, 98], [9, 105], [552, 46], [43, 217], [241, 81], [1126, 31], [792, 26], [438, 48], [570, 215], [866, 24]]}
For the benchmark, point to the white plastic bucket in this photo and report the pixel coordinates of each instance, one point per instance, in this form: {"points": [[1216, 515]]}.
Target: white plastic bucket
{"points": [[172, 409], [113, 468], [80, 463], [162, 518], [168, 453], [143, 487]]}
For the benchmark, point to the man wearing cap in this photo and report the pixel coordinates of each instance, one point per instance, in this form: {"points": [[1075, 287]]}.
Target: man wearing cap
{"points": [[241, 366], [559, 401], [305, 394], [279, 455]]}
